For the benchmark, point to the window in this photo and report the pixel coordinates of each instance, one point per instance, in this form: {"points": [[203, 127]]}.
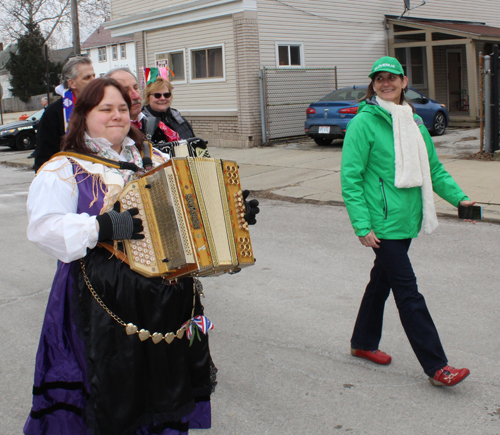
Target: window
{"points": [[289, 55], [174, 60], [102, 54], [413, 62], [114, 52], [207, 63], [123, 51]]}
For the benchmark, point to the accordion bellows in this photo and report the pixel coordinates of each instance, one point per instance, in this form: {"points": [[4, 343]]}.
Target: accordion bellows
{"points": [[192, 211]]}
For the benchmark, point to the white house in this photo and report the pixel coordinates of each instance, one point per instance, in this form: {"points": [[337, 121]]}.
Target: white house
{"points": [[107, 52], [218, 49], [4, 73]]}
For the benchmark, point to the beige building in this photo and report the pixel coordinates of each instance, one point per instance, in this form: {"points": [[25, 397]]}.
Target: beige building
{"points": [[216, 49]]}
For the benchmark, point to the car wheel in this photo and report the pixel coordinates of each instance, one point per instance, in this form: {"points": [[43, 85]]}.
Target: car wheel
{"points": [[323, 140], [439, 124], [25, 141]]}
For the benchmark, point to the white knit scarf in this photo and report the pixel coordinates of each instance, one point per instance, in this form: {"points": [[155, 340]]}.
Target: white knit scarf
{"points": [[412, 160]]}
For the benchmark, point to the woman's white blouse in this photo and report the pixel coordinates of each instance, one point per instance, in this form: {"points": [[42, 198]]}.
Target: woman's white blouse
{"points": [[53, 222]]}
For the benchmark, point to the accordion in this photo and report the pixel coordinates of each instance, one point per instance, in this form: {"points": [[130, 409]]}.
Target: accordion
{"points": [[192, 210]]}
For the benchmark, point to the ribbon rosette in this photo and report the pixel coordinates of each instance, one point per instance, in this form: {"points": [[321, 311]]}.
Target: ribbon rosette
{"points": [[204, 325]]}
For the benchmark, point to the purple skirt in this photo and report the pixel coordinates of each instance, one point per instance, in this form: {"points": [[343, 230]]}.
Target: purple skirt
{"points": [[91, 378]]}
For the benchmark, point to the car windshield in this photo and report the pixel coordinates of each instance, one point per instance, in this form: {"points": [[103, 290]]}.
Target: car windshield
{"points": [[349, 94], [36, 115]]}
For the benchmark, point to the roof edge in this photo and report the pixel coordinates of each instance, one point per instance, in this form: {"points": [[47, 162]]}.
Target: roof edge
{"points": [[433, 20]]}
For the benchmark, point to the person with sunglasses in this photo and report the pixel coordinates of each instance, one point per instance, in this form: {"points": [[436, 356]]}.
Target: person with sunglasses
{"points": [[163, 122]]}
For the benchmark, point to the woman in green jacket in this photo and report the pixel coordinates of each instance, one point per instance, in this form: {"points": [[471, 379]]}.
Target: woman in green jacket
{"points": [[389, 172]]}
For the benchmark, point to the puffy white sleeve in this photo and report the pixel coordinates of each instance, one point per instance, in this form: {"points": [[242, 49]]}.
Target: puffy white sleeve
{"points": [[53, 222]]}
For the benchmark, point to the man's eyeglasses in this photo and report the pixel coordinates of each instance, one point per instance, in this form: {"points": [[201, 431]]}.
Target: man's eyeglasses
{"points": [[158, 95]]}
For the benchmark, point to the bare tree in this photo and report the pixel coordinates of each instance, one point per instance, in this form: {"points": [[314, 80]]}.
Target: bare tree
{"points": [[53, 18]]}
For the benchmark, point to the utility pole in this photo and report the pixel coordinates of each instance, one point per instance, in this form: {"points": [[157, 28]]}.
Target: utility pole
{"points": [[47, 74], [76, 27]]}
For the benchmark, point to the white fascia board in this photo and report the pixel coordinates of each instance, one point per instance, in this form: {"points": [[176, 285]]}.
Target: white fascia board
{"points": [[107, 44], [180, 14]]}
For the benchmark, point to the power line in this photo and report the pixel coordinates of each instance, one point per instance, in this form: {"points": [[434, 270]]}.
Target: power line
{"points": [[321, 16]]}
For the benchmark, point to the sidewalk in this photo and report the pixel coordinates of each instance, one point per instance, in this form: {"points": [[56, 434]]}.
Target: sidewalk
{"points": [[14, 116], [301, 171]]}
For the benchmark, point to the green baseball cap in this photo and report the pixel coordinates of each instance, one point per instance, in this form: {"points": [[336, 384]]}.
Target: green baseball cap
{"points": [[386, 64]]}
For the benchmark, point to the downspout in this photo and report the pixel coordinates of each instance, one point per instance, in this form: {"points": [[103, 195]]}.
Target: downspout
{"points": [[263, 117], [387, 28]]}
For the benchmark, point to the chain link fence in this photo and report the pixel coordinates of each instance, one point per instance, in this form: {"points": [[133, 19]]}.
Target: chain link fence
{"points": [[285, 95]]}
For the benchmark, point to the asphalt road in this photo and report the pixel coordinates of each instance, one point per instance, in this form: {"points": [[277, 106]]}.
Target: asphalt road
{"points": [[282, 327]]}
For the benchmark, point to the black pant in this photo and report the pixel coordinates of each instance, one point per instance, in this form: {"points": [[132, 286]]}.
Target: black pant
{"points": [[392, 270]]}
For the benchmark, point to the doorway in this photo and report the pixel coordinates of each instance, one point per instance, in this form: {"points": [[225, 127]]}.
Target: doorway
{"points": [[454, 76]]}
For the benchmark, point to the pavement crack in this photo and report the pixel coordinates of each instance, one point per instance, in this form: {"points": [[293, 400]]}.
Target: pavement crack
{"points": [[269, 194], [5, 302]]}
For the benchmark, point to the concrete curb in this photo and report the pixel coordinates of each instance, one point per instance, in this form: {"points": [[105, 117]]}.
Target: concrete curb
{"points": [[301, 172]]}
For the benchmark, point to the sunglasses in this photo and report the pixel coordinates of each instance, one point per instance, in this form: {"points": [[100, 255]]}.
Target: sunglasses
{"points": [[158, 95]]}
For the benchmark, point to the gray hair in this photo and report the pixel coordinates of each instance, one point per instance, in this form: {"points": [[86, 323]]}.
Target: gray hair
{"points": [[70, 69], [123, 68], [45, 99]]}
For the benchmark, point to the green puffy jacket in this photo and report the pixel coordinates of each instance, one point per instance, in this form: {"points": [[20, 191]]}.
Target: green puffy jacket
{"points": [[368, 172]]}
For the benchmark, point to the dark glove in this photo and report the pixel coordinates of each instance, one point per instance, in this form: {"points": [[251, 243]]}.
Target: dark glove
{"points": [[114, 225], [251, 208]]}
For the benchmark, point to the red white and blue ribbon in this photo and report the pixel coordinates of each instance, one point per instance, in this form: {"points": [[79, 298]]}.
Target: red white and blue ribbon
{"points": [[201, 322], [68, 104]]}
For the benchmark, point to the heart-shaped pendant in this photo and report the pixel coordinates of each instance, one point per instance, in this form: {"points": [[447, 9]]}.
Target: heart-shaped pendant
{"points": [[169, 337], [144, 334], [180, 333], [130, 329], [157, 337]]}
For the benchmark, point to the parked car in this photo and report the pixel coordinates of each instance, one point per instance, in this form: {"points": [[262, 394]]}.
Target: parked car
{"points": [[21, 134], [327, 119]]}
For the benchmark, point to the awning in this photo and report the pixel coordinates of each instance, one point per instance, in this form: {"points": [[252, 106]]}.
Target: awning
{"points": [[465, 29]]}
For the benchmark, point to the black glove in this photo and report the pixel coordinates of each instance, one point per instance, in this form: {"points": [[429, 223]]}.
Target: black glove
{"points": [[251, 208], [114, 225]]}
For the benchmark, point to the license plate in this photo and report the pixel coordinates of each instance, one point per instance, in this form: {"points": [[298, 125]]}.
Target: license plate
{"points": [[324, 130]]}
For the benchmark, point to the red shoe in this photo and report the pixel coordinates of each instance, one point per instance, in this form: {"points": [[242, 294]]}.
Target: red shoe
{"points": [[376, 356], [449, 376]]}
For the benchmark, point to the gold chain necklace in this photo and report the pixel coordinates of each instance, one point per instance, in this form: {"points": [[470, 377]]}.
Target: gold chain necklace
{"points": [[130, 328]]}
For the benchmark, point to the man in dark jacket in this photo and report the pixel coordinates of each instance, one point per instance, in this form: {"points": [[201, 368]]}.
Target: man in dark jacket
{"points": [[76, 73]]}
